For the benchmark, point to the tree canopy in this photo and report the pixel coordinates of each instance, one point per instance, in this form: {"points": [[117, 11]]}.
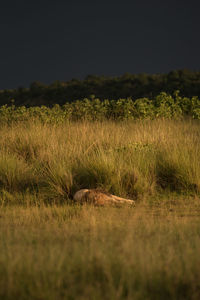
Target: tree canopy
{"points": [[126, 86]]}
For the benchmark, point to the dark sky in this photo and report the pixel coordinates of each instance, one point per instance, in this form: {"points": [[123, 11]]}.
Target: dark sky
{"points": [[64, 39]]}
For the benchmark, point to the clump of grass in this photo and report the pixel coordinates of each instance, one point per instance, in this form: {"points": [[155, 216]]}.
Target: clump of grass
{"points": [[57, 182], [174, 175], [15, 174]]}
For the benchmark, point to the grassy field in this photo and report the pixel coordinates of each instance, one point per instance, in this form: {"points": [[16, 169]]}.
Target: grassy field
{"points": [[139, 160], [51, 248], [100, 253]]}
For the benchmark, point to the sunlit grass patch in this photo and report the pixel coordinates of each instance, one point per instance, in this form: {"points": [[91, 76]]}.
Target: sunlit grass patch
{"points": [[79, 252], [134, 159]]}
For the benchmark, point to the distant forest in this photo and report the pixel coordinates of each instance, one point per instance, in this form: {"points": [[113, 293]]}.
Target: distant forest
{"points": [[125, 86]]}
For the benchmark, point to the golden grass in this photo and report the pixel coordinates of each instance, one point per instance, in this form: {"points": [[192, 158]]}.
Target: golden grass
{"points": [[74, 252], [137, 160], [54, 251]]}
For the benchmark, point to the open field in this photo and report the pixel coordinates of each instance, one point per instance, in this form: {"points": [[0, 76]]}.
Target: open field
{"points": [[140, 160], [100, 253], [51, 248]]}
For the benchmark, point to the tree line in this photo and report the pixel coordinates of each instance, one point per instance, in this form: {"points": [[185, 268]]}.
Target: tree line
{"points": [[126, 86]]}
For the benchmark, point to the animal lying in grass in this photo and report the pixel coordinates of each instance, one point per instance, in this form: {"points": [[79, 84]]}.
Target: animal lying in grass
{"points": [[99, 198]]}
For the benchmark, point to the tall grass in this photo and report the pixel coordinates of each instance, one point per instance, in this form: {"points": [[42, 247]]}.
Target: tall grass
{"points": [[72, 252], [134, 159], [52, 251]]}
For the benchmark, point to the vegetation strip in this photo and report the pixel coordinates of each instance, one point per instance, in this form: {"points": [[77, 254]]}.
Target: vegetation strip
{"points": [[93, 109]]}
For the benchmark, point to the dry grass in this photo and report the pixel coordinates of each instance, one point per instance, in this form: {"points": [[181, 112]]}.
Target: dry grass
{"points": [[100, 253], [136, 160], [53, 251]]}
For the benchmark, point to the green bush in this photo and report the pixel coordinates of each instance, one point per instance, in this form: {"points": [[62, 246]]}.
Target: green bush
{"points": [[93, 109]]}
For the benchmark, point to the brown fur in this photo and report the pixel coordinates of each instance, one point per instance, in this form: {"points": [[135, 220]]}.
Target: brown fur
{"points": [[99, 198]]}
